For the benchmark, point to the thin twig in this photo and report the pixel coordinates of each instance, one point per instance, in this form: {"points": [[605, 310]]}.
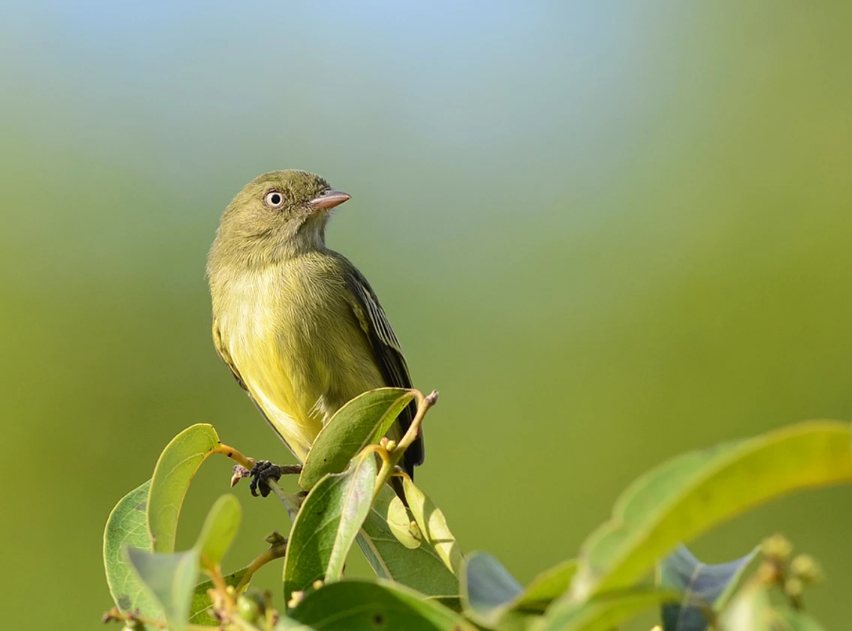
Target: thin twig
{"points": [[275, 552], [115, 614], [390, 459], [291, 501], [221, 586]]}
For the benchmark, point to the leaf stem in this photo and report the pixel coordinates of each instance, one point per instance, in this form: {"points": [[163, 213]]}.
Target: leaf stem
{"points": [[222, 586], [234, 455]]}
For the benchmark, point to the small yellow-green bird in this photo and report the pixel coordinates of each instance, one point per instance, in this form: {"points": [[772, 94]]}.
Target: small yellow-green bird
{"points": [[297, 323]]}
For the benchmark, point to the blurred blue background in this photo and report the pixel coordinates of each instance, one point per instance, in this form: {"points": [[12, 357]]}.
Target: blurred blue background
{"points": [[606, 232]]}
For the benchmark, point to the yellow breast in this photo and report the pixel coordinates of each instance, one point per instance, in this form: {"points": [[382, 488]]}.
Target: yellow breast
{"points": [[297, 346]]}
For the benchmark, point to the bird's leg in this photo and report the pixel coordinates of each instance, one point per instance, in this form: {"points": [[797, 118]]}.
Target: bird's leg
{"points": [[263, 471]]}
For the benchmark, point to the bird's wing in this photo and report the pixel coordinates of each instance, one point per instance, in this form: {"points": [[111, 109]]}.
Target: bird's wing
{"points": [[387, 352], [225, 356]]}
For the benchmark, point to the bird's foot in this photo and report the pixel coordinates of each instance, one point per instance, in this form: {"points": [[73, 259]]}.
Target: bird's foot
{"points": [[263, 471]]}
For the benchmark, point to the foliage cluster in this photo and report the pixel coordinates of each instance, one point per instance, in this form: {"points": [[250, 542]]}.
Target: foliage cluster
{"points": [[422, 579]]}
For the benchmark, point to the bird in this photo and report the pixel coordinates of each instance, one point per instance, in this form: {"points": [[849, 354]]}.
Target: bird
{"points": [[299, 326]]}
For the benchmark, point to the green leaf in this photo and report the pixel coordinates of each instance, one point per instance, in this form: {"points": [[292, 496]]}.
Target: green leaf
{"points": [[690, 494], [171, 578], [127, 526], [433, 526], [395, 549], [175, 469], [362, 421], [453, 603], [545, 588], [487, 587], [605, 612], [698, 582], [219, 531], [358, 605], [200, 610], [513, 620], [327, 524]]}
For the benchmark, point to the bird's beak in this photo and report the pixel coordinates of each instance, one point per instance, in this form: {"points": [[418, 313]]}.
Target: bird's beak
{"points": [[328, 199]]}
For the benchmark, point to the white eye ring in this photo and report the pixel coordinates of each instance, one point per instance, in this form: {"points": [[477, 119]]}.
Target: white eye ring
{"points": [[273, 199]]}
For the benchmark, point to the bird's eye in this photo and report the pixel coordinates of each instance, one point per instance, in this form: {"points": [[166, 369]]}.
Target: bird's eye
{"points": [[274, 199]]}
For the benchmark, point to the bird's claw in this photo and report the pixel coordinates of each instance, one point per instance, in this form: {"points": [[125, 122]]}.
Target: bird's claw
{"points": [[261, 473]]}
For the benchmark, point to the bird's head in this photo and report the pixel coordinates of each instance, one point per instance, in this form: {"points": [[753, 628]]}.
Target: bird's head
{"points": [[279, 212]]}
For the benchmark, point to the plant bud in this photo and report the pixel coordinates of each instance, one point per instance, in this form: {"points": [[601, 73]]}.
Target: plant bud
{"points": [[777, 548], [805, 568], [251, 607], [275, 538], [793, 587]]}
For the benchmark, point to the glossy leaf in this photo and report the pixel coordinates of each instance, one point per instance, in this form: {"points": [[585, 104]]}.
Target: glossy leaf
{"points": [[357, 605], [433, 526], [488, 587], [219, 531], [362, 421], [393, 545], [201, 606], [699, 583], [127, 527], [175, 469], [171, 578], [327, 524], [690, 494], [603, 613]]}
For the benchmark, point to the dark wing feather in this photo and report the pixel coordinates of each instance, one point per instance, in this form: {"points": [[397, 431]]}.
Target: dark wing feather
{"points": [[388, 354]]}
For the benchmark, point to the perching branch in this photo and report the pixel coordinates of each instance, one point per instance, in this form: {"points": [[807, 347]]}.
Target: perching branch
{"points": [[275, 552]]}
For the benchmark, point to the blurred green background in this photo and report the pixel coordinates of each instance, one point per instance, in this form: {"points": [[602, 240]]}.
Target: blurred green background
{"points": [[606, 232]]}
